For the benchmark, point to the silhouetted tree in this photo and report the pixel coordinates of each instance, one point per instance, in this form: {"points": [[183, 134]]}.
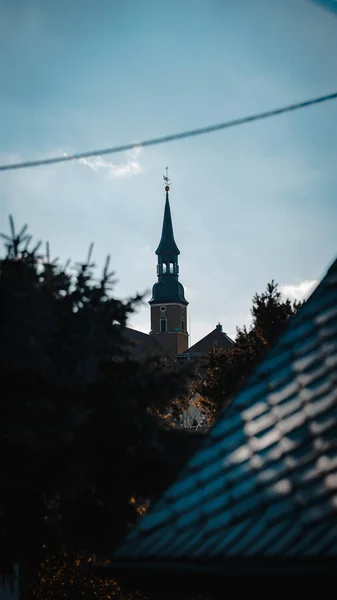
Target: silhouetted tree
{"points": [[79, 439], [228, 369]]}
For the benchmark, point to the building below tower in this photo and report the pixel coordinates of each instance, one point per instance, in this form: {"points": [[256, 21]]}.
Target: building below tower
{"points": [[199, 351]]}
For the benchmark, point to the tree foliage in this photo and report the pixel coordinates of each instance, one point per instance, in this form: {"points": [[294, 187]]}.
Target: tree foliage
{"points": [[79, 436], [228, 369]]}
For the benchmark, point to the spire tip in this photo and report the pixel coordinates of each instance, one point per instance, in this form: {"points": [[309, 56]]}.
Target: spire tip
{"points": [[166, 179]]}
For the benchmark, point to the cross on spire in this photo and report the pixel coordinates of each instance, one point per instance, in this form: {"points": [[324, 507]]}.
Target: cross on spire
{"points": [[166, 177]]}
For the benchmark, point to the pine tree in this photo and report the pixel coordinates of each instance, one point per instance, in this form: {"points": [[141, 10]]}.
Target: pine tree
{"points": [[80, 442], [227, 370]]}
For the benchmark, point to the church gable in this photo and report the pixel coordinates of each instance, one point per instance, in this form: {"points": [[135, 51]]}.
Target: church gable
{"points": [[216, 338]]}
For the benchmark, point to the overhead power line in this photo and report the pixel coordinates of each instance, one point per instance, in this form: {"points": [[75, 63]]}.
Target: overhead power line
{"points": [[168, 138]]}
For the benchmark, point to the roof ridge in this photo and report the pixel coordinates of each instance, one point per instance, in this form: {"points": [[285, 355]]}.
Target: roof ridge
{"points": [[216, 332]]}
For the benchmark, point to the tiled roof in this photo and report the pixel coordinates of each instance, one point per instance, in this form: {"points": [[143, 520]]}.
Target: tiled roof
{"points": [[205, 345], [142, 345], [264, 483]]}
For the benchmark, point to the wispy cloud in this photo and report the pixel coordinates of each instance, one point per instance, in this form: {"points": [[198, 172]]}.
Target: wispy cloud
{"points": [[300, 291], [130, 167]]}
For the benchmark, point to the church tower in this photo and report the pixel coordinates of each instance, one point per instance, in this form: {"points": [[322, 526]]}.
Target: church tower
{"points": [[168, 303]]}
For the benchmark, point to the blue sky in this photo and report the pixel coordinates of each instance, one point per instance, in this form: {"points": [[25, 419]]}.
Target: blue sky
{"points": [[249, 204]]}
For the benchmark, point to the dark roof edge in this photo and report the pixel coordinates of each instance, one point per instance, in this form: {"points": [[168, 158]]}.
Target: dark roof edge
{"points": [[211, 571], [189, 351]]}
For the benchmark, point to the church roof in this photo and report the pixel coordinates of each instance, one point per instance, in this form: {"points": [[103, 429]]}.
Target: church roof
{"points": [[260, 496], [143, 345], [167, 244], [168, 289], [216, 337]]}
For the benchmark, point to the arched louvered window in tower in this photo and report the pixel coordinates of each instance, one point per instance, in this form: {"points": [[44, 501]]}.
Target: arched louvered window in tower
{"points": [[163, 324]]}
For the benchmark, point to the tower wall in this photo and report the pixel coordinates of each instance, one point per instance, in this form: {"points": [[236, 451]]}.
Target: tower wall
{"points": [[175, 338]]}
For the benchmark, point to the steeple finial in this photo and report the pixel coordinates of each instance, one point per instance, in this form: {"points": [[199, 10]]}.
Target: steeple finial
{"points": [[166, 179], [167, 243]]}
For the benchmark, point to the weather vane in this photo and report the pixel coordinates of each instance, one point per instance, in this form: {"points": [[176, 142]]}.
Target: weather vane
{"points": [[166, 179]]}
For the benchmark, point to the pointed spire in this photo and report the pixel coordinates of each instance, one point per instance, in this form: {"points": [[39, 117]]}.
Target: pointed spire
{"points": [[167, 244], [168, 288]]}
